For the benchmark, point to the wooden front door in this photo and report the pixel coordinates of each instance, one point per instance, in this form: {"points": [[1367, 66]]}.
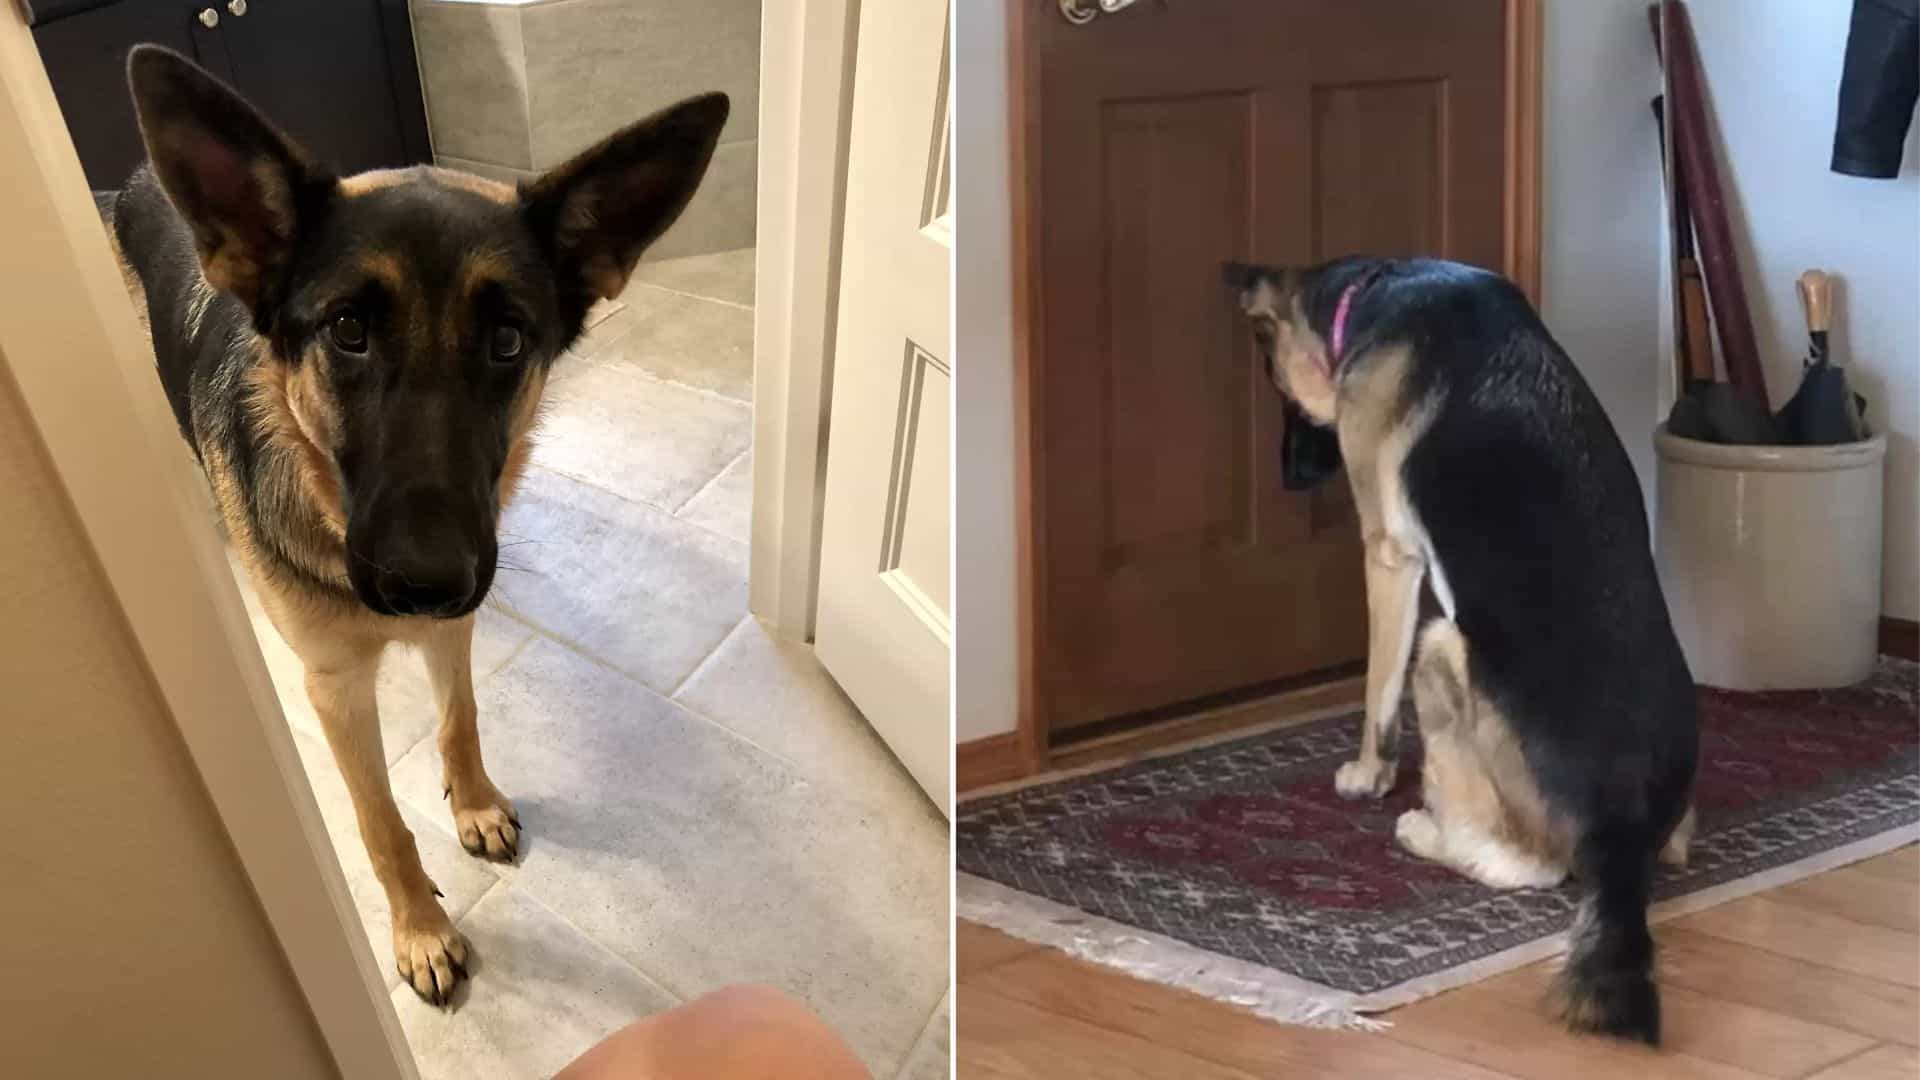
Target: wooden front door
{"points": [[1163, 138]]}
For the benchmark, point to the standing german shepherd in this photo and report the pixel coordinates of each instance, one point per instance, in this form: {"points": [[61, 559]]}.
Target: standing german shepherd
{"points": [[1556, 709], [358, 363]]}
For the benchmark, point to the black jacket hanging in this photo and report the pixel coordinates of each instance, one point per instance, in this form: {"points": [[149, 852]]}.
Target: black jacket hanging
{"points": [[1878, 87]]}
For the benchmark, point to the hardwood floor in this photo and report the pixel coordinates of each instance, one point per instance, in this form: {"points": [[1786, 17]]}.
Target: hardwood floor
{"points": [[1819, 979]]}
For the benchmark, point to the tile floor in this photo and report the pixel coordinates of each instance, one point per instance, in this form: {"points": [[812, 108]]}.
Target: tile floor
{"points": [[704, 806]]}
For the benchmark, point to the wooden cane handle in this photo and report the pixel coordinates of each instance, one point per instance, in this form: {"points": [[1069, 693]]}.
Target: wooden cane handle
{"points": [[1816, 295]]}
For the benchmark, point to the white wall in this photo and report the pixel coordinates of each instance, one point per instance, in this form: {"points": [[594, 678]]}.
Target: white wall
{"points": [[1601, 224], [985, 672], [1772, 69], [1601, 273]]}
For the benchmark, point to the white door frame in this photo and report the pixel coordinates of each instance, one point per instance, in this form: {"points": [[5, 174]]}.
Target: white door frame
{"points": [[86, 374], [806, 100]]}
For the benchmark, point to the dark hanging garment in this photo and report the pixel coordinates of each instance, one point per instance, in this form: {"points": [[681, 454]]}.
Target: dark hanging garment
{"points": [[1878, 87]]}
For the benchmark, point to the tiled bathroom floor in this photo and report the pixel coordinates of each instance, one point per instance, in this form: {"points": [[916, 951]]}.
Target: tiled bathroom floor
{"points": [[703, 805]]}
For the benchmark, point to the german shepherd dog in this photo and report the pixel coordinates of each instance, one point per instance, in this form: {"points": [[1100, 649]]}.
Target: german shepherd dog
{"points": [[1556, 709], [357, 362]]}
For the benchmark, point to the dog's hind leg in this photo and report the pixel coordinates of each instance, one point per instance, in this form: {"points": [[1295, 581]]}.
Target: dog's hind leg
{"points": [[429, 953], [483, 818], [1477, 818]]}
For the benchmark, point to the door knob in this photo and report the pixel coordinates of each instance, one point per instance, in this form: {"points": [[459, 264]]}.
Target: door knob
{"points": [[237, 7], [209, 18], [1082, 12]]}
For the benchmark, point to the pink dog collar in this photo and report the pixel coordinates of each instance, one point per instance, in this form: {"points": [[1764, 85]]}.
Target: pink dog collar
{"points": [[1337, 336], [1340, 323]]}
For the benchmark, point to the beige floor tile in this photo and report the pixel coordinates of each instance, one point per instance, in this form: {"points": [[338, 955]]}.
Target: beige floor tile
{"points": [[629, 584], [705, 862], [726, 504], [407, 710], [778, 696], [723, 275], [700, 343], [541, 994], [463, 878], [620, 429]]}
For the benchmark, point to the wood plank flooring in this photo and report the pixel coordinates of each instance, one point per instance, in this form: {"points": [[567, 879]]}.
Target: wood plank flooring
{"points": [[1819, 979]]}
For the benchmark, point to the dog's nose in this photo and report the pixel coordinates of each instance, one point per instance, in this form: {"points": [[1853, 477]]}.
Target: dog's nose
{"points": [[421, 589]]}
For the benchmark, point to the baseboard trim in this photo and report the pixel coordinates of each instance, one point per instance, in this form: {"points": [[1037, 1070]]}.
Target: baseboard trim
{"points": [[1900, 637], [995, 759]]}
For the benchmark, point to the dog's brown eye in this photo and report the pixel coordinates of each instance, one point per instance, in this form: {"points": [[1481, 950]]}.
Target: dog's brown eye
{"points": [[348, 332], [507, 342]]}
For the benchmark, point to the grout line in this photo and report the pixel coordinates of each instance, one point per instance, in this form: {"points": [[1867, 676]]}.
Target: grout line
{"points": [[644, 283], [660, 984], [674, 695], [496, 885], [600, 661], [715, 479], [526, 85], [512, 654], [654, 506], [634, 367], [906, 1059]]}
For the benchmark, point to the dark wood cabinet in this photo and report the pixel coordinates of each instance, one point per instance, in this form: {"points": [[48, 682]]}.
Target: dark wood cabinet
{"points": [[338, 75]]}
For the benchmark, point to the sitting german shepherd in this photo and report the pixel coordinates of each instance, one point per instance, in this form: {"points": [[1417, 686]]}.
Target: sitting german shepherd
{"points": [[357, 362], [1556, 709]]}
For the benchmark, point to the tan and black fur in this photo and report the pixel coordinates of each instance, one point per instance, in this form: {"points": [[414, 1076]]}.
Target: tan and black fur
{"points": [[358, 364], [1555, 708]]}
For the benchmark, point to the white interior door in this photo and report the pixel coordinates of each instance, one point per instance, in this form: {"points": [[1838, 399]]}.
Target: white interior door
{"points": [[884, 627]]}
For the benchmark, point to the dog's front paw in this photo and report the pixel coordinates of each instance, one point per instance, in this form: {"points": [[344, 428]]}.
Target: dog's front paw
{"points": [[1361, 778], [488, 827], [429, 953]]}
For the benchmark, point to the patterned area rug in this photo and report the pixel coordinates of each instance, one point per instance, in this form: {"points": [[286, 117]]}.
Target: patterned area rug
{"points": [[1235, 871]]}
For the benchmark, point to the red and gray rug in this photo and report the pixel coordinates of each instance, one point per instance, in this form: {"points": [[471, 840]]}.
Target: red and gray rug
{"points": [[1235, 871]]}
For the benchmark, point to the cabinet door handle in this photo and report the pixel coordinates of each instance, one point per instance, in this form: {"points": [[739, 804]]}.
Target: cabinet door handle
{"points": [[209, 18], [237, 7]]}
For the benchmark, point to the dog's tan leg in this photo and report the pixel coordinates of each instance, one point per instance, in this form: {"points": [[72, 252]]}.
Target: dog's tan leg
{"points": [[483, 817], [1394, 572], [429, 953]]}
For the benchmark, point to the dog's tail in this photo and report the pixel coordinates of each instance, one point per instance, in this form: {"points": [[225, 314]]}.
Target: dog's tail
{"points": [[1607, 984]]}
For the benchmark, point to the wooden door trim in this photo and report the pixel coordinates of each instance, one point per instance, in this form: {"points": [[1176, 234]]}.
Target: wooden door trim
{"points": [[1524, 30], [1525, 44]]}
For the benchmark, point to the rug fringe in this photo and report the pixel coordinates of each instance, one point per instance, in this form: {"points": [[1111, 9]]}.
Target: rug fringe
{"points": [[1262, 991]]}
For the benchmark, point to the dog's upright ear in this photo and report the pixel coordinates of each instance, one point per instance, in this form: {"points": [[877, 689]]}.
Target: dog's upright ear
{"points": [[244, 188], [597, 213]]}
